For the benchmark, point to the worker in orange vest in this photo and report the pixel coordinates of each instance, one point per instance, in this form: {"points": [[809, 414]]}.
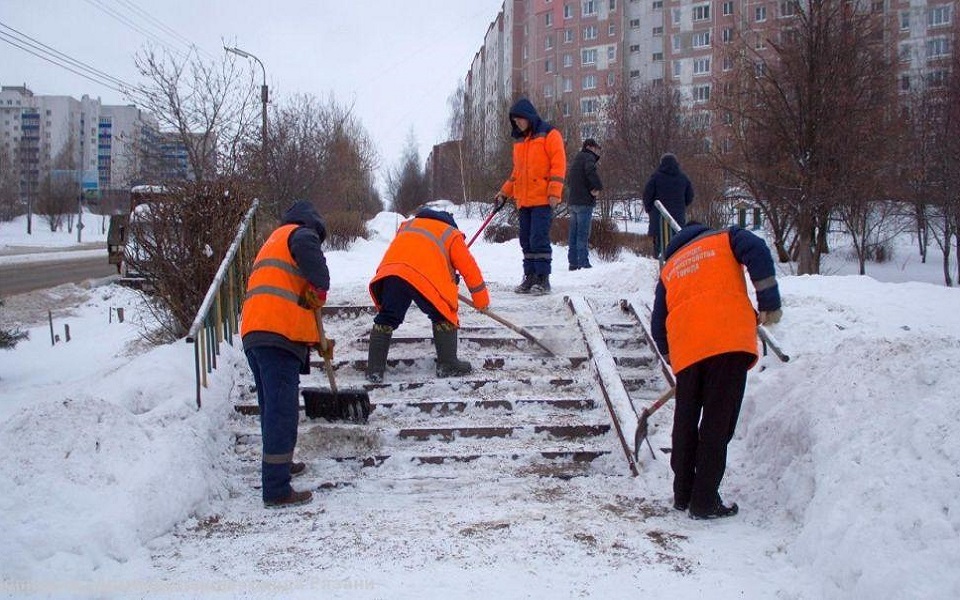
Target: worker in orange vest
{"points": [[421, 266], [705, 326], [288, 284], [536, 186]]}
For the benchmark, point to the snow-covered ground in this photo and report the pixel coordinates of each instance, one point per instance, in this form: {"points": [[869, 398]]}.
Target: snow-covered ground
{"points": [[846, 464]]}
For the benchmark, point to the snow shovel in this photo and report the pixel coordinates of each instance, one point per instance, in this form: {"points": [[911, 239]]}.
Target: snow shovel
{"points": [[641, 434], [496, 209], [347, 405], [507, 323]]}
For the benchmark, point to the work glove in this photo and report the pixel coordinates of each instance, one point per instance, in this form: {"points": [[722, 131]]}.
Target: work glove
{"points": [[770, 317], [481, 302], [313, 298], [554, 201], [328, 355]]}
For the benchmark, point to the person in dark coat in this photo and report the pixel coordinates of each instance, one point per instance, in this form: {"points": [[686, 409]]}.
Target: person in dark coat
{"points": [[584, 186], [673, 189], [278, 327], [705, 326]]}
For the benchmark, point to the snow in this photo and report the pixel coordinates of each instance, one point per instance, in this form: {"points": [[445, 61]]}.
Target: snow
{"points": [[846, 461]]}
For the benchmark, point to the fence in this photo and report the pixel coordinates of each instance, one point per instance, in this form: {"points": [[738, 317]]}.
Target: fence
{"points": [[219, 315]]}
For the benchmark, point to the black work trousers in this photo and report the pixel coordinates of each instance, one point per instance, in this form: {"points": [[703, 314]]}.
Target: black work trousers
{"points": [[709, 395]]}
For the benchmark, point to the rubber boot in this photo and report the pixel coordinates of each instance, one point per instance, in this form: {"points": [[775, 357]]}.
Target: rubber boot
{"points": [[526, 284], [541, 285], [377, 356], [445, 341]]}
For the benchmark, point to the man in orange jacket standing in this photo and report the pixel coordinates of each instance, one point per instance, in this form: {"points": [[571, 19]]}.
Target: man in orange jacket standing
{"points": [[288, 284], [421, 266], [705, 326], [536, 186]]}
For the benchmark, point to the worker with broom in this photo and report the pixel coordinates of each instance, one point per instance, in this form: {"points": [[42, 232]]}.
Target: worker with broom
{"points": [[421, 267], [279, 326], [705, 326]]}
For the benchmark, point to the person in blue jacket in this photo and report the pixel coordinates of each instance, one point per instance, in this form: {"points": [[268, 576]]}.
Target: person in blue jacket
{"points": [[673, 189]]}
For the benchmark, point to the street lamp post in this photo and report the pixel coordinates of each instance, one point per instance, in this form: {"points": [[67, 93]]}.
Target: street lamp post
{"points": [[263, 99]]}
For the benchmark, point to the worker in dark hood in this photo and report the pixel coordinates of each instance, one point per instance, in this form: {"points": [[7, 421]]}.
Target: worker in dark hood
{"points": [[421, 266], [287, 285], [536, 187], [673, 189]]}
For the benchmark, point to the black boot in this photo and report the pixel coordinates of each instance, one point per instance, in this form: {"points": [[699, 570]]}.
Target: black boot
{"points": [[445, 341], [377, 356], [541, 285], [526, 284]]}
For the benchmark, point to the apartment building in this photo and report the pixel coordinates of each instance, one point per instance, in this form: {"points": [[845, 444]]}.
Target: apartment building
{"points": [[574, 54]]}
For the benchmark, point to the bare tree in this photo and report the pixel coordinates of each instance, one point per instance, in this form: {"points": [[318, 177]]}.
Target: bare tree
{"points": [[10, 203], [801, 101], [60, 189], [407, 184]]}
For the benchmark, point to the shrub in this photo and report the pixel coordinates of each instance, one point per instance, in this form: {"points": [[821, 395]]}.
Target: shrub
{"points": [[343, 228]]}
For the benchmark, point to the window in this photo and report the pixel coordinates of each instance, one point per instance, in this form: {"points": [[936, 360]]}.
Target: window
{"points": [[726, 35], [612, 5], [548, 65], [657, 57], [567, 11], [728, 118], [936, 78], [567, 60], [905, 83], [566, 109], [590, 32], [611, 79], [727, 63], [676, 17], [634, 23], [788, 8], [634, 73], [611, 30], [589, 82], [567, 36], [677, 68], [589, 8], [658, 31], [589, 106], [904, 52], [634, 48], [567, 84], [761, 42], [548, 90], [657, 4], [701, 66], [760, 13], [939, 15], [727, 9], [525, 53], [548, 19], [905, 20], [548, 42], [701, 39], [701, 93], [676, 43], [701, 12], [611, 53], [938, 47], [588, 57]]}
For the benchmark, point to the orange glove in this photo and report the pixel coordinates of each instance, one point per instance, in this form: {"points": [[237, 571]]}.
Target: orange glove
{"points": [[481, 301], [313, 298]]}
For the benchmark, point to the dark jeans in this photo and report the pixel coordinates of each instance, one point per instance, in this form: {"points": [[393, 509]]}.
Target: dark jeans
{"points": [[535, 239], [277, 375], [709, 395], [578, 249], [395, 296]]}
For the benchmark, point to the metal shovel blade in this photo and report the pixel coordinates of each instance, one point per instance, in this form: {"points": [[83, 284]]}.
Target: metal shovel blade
{"points": [[352, 406]]}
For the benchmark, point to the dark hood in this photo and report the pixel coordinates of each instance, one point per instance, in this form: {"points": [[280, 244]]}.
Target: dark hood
{"points": [[669, 164], [303, 213], [437, 215], [524, 108], [684, 236]]}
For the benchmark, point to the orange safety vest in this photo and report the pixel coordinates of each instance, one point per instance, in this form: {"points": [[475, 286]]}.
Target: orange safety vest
{"points": [[708, 309], [275, 292], [539, 168], [426, 254]]}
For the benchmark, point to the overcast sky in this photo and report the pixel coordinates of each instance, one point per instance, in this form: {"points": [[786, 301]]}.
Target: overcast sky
{"points": [[396, 61]]}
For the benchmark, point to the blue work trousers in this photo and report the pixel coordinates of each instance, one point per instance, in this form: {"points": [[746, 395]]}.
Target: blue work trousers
{"points": [[276, 373], [395, 295], [578, 246], [535, 224]]}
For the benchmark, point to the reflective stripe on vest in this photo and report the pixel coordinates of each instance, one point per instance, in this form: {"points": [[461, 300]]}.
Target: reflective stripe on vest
{"points": [[275, 291], [708, 309]]}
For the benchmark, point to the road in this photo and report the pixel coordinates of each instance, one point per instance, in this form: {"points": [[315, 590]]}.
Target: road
{"points": [[22, 277]]}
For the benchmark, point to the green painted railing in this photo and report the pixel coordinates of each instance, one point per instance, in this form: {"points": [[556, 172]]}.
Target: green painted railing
{"points": [[219, 316]]}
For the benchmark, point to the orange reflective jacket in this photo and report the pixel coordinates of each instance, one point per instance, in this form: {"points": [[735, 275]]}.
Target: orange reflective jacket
{"points": [[539, 166], [709, 311], [427, 253], [275, 292]]}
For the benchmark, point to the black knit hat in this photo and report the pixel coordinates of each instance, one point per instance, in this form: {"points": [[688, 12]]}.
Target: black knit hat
{"points": [[590, 143]]}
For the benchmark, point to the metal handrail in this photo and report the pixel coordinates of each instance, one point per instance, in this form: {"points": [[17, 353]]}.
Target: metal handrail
{"points": [[218, 318]]}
